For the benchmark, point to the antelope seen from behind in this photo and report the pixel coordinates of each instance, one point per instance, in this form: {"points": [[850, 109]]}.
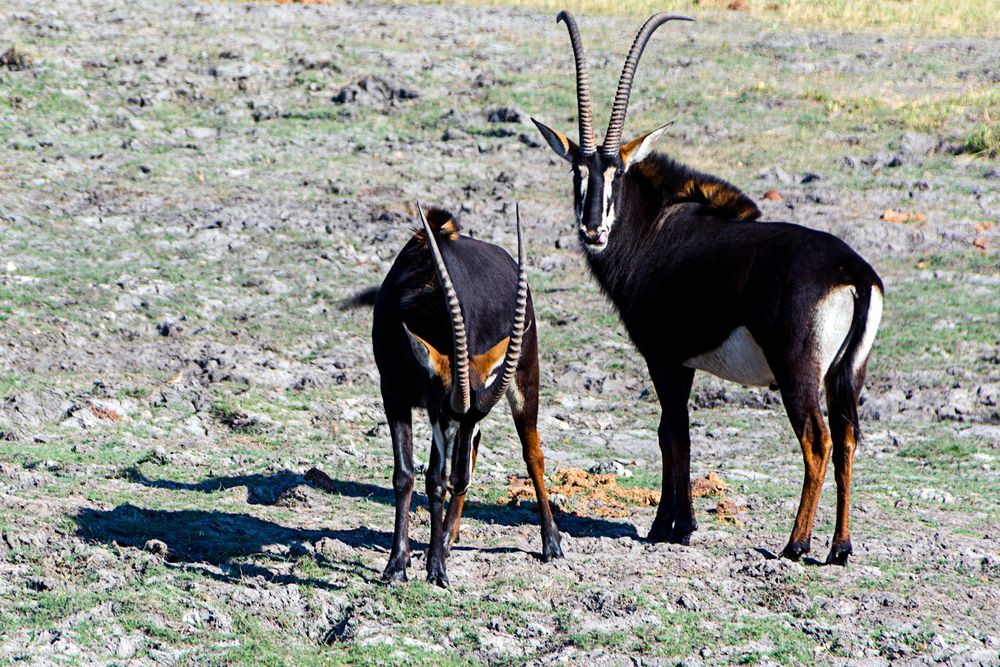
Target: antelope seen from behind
{"points": [[454, 333], [701, 283]]}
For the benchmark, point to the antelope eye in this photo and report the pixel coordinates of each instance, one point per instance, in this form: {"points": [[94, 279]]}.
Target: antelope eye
{"points": [[618, 172]]}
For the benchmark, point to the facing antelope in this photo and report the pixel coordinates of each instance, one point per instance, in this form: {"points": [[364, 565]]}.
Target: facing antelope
{"points": [[700, 284], [457, 359]]}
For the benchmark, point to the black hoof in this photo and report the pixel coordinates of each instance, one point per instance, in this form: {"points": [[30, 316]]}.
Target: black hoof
{"points": [[437, 575], [681, 537], [839, 553], [551, 550], [660, 531], [394, 575], [794, 550], [439, 580], [681, 533]]}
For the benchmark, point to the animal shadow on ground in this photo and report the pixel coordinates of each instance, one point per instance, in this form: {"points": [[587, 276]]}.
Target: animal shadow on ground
{"points": [[202, 537], [770, 555], [269, 489]]}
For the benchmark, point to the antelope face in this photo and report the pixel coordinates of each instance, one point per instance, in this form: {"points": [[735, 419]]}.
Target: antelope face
{"points": [[456, 434], [598, 171], [597, 181]]}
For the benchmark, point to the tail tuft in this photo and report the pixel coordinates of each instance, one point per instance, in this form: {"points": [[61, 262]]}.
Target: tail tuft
{"points": [[841, 381], [365, 297]]}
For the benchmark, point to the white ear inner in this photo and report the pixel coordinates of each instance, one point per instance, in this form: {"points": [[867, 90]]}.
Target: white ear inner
{"points": [[420, 351], [646, 147]]}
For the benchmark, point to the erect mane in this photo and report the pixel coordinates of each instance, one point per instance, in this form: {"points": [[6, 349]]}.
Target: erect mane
{"points": [[680, 184], [442, 223]]}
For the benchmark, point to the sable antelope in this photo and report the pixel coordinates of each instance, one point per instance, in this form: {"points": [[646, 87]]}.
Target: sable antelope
{"points": [[457, 358], [700, 285]]}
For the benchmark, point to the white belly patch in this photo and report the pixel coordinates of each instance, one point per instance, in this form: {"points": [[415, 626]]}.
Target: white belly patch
{"points": [[739, 359]]}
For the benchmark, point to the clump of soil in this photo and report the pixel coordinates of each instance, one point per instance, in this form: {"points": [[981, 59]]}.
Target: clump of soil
{"points": [[594, 495], [373, 91], [709, 485], [599, 495], [104, 413], [727, 511]]}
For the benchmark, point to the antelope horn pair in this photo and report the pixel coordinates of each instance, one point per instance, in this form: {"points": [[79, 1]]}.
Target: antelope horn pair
{"points": [[461, 393], [613, 138]]}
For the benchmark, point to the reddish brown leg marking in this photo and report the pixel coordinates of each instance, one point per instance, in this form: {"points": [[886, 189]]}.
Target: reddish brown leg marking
{"points": [[535, 460], [453, 520], [844, 446], [816, 444], [843, 465]]}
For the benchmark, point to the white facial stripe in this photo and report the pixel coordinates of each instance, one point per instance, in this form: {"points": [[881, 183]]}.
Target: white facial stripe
{"points": [[584, 175], [609, 207]]}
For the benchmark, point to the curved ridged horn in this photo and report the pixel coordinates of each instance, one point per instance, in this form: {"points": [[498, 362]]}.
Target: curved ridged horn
{"points": [[489, 398], [460, 396], [585, 112], [613, 139]]}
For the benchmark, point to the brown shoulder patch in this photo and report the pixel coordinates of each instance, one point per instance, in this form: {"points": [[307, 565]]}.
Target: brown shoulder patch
{"points": [[449, 230], [727, 199], [442, 223], [680, 185]]}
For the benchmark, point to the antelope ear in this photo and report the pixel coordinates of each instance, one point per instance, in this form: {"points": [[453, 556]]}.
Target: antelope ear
{"points": [[559, 142], [639, 149], [436, 363]]}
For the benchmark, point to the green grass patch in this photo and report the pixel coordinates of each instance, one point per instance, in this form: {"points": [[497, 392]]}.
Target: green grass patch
{"points": [[941, 17]]}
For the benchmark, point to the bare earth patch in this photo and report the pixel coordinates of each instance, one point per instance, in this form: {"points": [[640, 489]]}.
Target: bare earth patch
{"points": [[194, 463]]}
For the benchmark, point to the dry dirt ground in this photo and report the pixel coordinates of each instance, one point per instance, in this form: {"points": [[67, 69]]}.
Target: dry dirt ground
{"points": [[189, 189]]}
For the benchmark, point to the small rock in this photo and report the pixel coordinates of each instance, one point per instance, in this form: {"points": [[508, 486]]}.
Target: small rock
{"points": [[128, 646], [934, 495], [850, 163], [14, 60], [373, 90], [538, 630], [689, 602], [169, 328], [158, 548], [505, 115], [202, 133], [917, 143], [777, 174]]}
